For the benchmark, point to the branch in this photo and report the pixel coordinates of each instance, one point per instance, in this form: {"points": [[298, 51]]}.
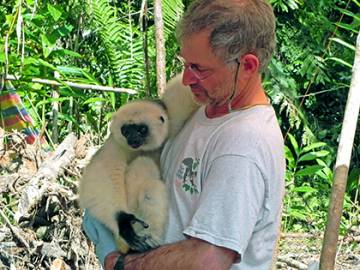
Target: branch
{"points": [[76, 85], [14, 230], [49, 170], [293, 263]]}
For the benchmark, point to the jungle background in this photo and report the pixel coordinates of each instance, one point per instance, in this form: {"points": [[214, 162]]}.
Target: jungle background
{"points": [[112, 43]]}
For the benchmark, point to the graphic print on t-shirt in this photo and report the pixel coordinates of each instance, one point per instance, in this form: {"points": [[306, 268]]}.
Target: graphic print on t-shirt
{"points": [[187, 173]]}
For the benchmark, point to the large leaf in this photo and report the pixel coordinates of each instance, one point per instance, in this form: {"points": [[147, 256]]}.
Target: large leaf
{"points": [[299, 214], [289, 158], [340, 61], [326, 173], [54, 12], [47, 45], [309, 170], [349, 13], [313, 155], [347, 27], [344, 43], [303, 189], [294, 144], [312, 146], [94, 100]]}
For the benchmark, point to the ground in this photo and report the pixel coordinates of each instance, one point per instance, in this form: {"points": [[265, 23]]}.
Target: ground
{"points": [[40, 219], [299, 250]]}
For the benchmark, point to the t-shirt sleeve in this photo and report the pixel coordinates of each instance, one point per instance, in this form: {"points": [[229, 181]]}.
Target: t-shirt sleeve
{"points": [[230, 203]]}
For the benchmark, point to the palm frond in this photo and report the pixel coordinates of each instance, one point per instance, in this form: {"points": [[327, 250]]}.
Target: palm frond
{"points": [[172, 10], [121, 41]]}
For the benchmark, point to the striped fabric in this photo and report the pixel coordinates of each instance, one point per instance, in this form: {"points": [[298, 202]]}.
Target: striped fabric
{"points": [[13, 114]]}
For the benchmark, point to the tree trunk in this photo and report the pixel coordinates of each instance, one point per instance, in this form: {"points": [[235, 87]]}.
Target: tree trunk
{"points": [[160, 48], [328, 253], [143, 21]]}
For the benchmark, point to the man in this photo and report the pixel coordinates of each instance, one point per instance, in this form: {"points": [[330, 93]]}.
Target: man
{"points": [[225, 170]]}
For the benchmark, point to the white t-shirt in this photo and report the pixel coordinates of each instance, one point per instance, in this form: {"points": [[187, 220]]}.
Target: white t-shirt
{"points": [[225, 178]]}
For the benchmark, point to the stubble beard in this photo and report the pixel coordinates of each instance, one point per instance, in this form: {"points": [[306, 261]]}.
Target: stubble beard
{"points": [[223, 96]]}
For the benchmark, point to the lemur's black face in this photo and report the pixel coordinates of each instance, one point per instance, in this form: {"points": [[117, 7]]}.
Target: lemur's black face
{"points": [[140, 125], [135, 134]]}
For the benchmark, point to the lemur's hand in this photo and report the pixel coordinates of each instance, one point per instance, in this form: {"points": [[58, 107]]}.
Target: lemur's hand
{"points": [[144, 233], [127, 223]]}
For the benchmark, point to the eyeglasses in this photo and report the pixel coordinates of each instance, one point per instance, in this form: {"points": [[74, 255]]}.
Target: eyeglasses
{"points": [[198, 72], [203, 74]]}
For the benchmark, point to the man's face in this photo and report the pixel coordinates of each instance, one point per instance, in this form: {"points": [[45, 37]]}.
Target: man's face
{"points": [[210, 79]]}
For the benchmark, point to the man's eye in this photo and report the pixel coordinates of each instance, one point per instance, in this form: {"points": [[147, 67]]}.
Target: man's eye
{"points": [[196, 68]]}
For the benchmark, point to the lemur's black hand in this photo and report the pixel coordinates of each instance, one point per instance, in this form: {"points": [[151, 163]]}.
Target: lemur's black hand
{"points": [[136, 242]]}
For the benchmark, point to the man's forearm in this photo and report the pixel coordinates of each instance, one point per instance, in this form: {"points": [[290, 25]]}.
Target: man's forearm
{"points": [[187, 254], [174, 255]]}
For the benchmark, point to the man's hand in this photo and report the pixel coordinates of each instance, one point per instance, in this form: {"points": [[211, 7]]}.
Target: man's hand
{"points": [[111, 259]]}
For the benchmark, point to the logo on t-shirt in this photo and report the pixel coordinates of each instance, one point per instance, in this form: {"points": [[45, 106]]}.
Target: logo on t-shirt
{"points": [[187, 173]]}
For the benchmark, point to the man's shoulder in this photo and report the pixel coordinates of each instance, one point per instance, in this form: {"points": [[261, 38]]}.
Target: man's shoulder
{"points": [[253, 123], [251, 134]]}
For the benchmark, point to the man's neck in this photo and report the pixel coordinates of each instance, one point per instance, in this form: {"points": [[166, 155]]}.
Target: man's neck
{"points": [[251, 96]]}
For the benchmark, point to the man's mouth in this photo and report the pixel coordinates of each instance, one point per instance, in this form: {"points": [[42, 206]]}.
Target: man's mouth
{"points": [[196, 89]]}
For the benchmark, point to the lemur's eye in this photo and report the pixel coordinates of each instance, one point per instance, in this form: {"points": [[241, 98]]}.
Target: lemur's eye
{"points": [[162, 119], [143, 129], [125, 130]]}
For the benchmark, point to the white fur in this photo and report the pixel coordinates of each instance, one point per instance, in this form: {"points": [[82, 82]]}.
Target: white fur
{"points": [[147, 197], [180, 104], [122, 178], [103, 187]]}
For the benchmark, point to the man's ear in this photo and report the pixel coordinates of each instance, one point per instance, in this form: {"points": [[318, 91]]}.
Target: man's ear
{"points": [[250, 63]]}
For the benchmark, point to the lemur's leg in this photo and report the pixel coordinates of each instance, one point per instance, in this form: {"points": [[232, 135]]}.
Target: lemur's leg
{"points": [[147, 198]]}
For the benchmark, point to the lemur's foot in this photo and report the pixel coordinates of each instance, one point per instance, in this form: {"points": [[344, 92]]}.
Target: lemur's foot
{"points": [[146, 233], [126, 223]]}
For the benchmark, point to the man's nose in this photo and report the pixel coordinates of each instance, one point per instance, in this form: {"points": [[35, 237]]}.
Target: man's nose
{"points": [[189, 77]]}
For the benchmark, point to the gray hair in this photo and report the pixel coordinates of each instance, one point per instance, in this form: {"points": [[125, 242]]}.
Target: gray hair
{"points": [[236, 27]]}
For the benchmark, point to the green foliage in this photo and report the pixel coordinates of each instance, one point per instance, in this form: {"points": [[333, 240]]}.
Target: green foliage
{"points": [[48, 42], [103, 46], [308, 81], [307, 69], [172, 11], [120, 39], [307, 192], [308, 187], [285, 5]]}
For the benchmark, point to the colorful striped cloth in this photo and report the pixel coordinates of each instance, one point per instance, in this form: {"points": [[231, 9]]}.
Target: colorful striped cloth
{"points": [[13, 114]]}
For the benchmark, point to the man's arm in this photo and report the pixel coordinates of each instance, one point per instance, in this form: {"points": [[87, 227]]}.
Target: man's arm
{"points": [[189, 254]]}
